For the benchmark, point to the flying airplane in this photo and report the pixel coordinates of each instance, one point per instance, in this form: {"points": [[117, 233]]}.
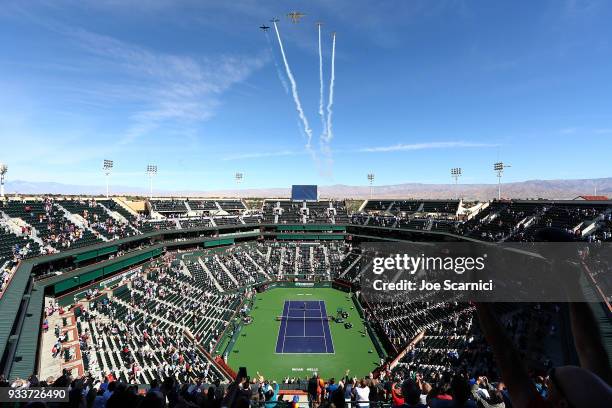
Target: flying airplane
{"points": [[264, 27], [274, 20], [319, 24], [295, 16]]}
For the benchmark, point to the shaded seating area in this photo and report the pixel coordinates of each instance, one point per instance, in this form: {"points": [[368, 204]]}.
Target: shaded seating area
{"points": [[98, 218], [49, 222]]}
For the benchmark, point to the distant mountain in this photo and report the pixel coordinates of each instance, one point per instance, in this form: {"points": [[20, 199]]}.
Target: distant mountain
{"points": [[30, 187], [549, 189]]}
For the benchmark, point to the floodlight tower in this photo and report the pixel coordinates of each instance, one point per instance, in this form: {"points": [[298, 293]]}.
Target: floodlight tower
{"points": [[371, 181], [499, 167], [151, 172], [3, 170], [107, 166], [239, 176], [456, 173]]}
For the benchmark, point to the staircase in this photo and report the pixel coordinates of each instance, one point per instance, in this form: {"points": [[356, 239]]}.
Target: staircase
{"points": [[280, 266], [79, 222], [14, 225], [350, 267], [261, 270], [118, 217], [224, 268], [210, 275]]}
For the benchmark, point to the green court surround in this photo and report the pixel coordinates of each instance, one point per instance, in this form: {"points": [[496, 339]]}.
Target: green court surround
{"points": [[255, 346]]}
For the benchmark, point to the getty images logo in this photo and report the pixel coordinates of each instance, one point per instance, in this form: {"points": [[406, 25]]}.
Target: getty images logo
{"points": [[412, 264]]}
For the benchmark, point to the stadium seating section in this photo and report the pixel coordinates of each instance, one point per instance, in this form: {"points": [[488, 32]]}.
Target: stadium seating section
{"points": [[168, 315]]}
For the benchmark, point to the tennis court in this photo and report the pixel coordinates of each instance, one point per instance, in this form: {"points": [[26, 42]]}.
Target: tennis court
{"points": [[304, 328]]}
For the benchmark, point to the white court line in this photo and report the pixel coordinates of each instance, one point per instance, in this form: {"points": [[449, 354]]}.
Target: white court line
{"points": [[278, 337], [279, 329], [306, 337], [285, 333], [331, 338], [322, 327]]}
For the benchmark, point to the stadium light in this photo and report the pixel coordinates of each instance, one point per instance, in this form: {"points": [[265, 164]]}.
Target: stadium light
{"points": [[3, 170], [239, 176], [151, 172], [456, 173], [371, 181], [107, 166], [499, 167]]}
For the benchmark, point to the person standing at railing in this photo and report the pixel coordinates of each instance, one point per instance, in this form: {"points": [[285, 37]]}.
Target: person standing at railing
{"points": [[349, 386], [411, 394], [337, 397], [271, 395], [397, 398], [362, 394], [312, 389], [331, 388]]}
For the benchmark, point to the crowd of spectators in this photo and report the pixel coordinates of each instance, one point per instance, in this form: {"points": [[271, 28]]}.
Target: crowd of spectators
{"points": [[96, 217], [53, 228], [507, 383], [501, 220], [13, 248], [468, 355], [305, 212]]}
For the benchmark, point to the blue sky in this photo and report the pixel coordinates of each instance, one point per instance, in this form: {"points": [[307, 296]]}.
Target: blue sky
{"points": [[196, 88]]}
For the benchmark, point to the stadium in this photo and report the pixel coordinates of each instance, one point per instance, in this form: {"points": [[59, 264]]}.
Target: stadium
{"points": [[179, 290], [197, 289]]}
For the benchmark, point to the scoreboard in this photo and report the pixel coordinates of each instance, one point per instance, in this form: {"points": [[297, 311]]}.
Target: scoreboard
{"points": [[304, 193]]}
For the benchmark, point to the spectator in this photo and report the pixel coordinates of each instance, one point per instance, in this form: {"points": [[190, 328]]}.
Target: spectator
{"points": [[411, 394], [362, 394]]}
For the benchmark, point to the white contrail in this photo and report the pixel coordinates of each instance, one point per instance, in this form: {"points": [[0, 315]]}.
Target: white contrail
{"points": [[321, 111], [294, 91], [329, 135], [279, 73]]}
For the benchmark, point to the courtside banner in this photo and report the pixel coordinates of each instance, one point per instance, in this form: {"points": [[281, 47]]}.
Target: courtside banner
{"points": [[481, 272]]}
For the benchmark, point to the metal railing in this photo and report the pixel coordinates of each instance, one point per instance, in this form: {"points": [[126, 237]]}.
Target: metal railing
{"points": [[322, 404]]}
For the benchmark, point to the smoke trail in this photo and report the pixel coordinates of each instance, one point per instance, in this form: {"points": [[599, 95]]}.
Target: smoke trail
{"points": [[294, 91], [278, 69], [321, 111], [329, 135]]}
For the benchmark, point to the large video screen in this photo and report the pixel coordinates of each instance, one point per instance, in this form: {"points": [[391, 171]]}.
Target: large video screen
{"points": [[304, 193]]}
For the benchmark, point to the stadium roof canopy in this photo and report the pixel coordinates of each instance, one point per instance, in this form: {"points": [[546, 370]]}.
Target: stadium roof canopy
{"points": [[592, 197]]}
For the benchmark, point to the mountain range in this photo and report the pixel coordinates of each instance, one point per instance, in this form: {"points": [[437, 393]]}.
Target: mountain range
{"points": [[530, 189]]}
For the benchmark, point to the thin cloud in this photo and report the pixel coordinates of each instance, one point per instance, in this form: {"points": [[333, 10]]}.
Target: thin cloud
{"points": [[568, 131], [400, 147], [603, 131], [260, 155], [168, 88]]}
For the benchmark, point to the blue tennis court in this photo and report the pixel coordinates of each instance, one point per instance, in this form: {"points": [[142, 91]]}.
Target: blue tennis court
{"points": [[304, 328]]}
